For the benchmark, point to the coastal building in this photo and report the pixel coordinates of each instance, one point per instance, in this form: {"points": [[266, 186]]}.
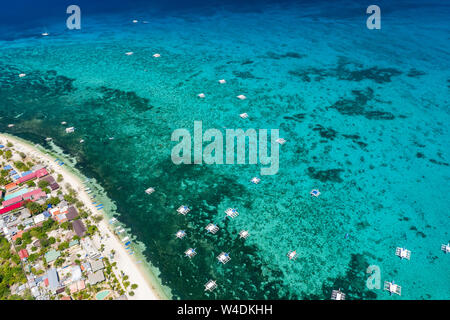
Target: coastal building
{"points": [[23, 254], [61, 218], [79, 228], [72, 213], [24, 194], [15, 194], [11, 207], [52, 255], [39, 218], [17, 235], [97, 265], [53, 280], [89, 247], [76, 273], [73, 243], [11, 187], [96, 277], [36, 174]]}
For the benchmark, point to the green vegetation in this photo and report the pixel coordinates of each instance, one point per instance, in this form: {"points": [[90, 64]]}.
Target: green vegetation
{"points": [[8, 154], [97, 218], [43, 184], [21, 166], [34, 207], [53, 201], [10, 271], [31, 184]]}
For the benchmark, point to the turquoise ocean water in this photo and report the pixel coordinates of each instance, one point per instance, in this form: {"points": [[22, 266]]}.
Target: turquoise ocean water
{"points": [[365, 114]]}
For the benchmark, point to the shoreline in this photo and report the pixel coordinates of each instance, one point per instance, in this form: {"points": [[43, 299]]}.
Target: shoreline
{"points": [[148, 288]]}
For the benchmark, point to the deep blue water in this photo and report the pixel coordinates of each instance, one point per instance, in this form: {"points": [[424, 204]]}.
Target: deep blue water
{"points": [[365, 114]]}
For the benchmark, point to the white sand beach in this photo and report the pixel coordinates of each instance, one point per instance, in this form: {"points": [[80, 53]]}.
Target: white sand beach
{"points": [[125, 262]]}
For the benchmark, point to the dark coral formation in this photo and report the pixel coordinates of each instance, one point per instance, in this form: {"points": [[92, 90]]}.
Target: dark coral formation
{"points": [[358, 106], [125, 99], [327, 133], [278, 56], [413, 73], [346, 70], [244, 75], [298, 117], [330, 175]]}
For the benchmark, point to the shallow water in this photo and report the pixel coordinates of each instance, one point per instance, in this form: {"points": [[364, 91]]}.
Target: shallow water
{"points": [[364, 112]]}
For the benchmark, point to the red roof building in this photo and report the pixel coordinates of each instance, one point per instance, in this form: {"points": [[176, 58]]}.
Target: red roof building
{"points": [[11, 208], [12, 201], [23, 254], [37, 174], [10, 186], [32, 195], [17, 235]]}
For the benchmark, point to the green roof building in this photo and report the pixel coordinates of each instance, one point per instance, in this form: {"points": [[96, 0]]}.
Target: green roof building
{"points": [[52, 255], [73, 243]]}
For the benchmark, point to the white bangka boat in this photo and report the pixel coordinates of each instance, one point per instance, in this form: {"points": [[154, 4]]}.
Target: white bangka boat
{"points": [[232, 213], [183, 210], [210, 285], [337, 295], [403, 253], [212, 228], [292, 255], [241, 97], [223, 257], [315, 193], [392, 288], [243, 234], [190, 253], [180, 234], [150, 190]]}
